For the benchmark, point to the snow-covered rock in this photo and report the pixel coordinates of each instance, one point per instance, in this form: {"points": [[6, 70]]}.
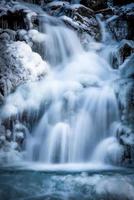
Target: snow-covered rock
{"points": [[18, 63], [11, 143], [122, 25], [20, 132], [109, 151], [36, 36], [76, 17], [126, 101]]}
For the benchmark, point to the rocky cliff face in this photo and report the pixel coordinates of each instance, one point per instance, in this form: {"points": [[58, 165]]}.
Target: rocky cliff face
{"points": [[20, 62]]}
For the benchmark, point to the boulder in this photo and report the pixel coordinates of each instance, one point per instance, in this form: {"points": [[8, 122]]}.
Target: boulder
{"points": [[16, 16], [121, 53], [122, 25], [76, 17], [18, 64]]}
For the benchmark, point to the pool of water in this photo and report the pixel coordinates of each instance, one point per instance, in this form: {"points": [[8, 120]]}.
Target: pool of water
{"points": [[107, 184]]}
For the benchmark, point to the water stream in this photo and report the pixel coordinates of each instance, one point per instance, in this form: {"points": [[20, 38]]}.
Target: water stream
{"points": [[82, 102]]}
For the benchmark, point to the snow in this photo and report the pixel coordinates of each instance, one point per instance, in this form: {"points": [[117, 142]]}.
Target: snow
{"points": [[29, 60], [37, 36]]}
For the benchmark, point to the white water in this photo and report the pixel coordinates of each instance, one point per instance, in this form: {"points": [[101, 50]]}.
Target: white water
{"points": [[82, 103]]}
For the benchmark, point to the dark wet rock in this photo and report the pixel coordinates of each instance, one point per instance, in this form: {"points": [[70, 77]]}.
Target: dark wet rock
{"points": [[119, 28], [122, 53], [94, 4], [40, 2], [126, 48], [121, 2], [15, 16]]}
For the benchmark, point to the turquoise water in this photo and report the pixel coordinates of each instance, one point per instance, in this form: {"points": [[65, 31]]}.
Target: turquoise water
{"points": [[90, 185]]}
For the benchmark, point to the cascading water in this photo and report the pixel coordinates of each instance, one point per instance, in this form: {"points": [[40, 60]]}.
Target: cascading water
{"points": [[82, 103], [60, 45]]}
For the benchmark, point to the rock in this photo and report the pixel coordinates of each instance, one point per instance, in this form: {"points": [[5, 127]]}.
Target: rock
{"points": [[126, 101], [124, 134], [13, 145], [76, 17], [121, 2], [19, 137], [128, 139], [2, 140], [121, 25], [121, 52], [18, 63], [18, 127], [20, 132], [16, 16], [109, 151], [40, 2], [94, 4], [8, 135], [2, 130], [127, 68], [126, 48]]}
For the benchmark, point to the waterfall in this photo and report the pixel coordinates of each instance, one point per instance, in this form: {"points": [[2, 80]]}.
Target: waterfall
{"points": [[62, 43], [82, 102]]}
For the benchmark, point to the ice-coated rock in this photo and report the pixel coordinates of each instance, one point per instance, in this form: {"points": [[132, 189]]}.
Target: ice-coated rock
{"points": [[2, 130], [8, 135], [127, 68], [18, 63], [126, 101], [109, 151], [19, 137], [77, 17], [124, 134], [121, 25], [2, 140], [128, 139], [20, 132], [121, 52]]}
